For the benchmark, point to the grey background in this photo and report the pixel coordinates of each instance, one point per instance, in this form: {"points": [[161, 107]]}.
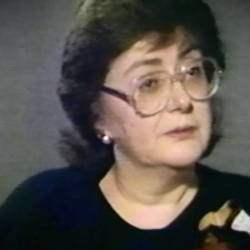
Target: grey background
{"points": [[32, 35]]}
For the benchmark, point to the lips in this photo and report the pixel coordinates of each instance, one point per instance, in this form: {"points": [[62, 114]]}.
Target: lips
{"points": [[181, 132]]}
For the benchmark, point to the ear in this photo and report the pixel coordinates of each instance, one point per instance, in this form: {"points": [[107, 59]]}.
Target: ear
{"points": [[102, 132], [99, 121], [100, 125]]}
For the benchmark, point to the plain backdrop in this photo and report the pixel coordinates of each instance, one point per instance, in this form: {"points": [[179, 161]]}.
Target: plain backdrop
{"points": [[32, 34]]}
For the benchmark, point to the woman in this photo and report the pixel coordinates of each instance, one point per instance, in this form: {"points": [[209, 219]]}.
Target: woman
{"points": [[138, 81]]}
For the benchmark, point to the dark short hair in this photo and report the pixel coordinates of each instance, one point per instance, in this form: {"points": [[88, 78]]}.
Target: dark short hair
{"points": [[102, 30]]}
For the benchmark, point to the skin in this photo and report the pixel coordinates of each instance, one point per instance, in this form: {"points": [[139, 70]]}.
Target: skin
{"points": [[154, 171]]}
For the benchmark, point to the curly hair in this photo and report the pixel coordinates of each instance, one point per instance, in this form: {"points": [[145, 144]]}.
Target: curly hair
{"points": [[103, 29]]}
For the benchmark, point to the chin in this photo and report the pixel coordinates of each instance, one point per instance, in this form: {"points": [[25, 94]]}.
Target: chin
{"points": [[182, 163], [182, 157]]}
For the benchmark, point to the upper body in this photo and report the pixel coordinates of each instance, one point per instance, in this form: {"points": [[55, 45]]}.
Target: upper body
{"points": [[66, 209], [138, 83]]}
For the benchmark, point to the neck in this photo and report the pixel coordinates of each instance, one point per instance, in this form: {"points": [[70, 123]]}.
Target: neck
{"points": [[153, 185]]}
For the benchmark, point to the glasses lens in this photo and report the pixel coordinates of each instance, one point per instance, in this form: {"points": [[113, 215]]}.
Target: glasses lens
{"points": [[151, 93], [201, 78]]}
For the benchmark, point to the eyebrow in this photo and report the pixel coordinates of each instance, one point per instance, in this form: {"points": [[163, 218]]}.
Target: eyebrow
{"points": [[188, 49], [137, 64], [158, 61]]}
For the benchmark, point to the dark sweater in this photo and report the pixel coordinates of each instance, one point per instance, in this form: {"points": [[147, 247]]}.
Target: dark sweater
{"points": [[65, 209]]}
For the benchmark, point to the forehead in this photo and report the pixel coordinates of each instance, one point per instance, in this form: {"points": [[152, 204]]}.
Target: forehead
{"points": [[155, 41], [166, 47]]}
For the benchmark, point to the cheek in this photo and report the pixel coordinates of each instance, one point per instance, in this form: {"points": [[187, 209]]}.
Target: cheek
{"points": [[119, 119], [204, 119], [137, 140], [133, 130], [125, 127]]}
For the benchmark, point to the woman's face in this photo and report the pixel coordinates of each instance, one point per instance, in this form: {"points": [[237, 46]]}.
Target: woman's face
{"points": [[176, 136]]}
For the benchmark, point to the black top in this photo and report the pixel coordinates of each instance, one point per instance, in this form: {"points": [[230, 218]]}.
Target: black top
{"points": [[65, 209]]}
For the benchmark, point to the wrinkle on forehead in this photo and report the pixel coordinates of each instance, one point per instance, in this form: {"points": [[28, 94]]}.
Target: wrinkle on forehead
{"points": [[155, 40]]}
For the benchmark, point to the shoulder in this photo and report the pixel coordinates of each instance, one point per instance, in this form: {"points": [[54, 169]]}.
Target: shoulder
{"points": [[45, 206], [232, 185], [223, 177], [45, 183], [54, 194]]}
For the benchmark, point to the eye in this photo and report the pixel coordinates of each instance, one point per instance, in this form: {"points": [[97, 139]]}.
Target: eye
{"points": [[149, 84], [195, 71]]}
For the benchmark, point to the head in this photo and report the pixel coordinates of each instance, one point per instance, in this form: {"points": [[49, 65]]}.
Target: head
{"points": [[111, 36]]}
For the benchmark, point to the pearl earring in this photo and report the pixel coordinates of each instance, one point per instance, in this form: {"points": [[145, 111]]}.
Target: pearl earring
{"points": [[106, 139]]}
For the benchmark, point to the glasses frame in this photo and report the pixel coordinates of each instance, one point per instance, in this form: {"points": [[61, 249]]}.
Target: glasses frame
{"points": [[177, 76]]}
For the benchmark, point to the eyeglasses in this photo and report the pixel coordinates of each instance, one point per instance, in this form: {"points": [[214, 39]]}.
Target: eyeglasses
{"points": [[200, 79]]}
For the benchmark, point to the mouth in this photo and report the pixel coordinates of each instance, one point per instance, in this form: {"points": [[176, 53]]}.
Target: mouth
{"points": [[181, 132]]}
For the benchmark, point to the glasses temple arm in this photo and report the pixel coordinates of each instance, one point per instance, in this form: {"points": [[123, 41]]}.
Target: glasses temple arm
{"points": [[116, 93]]}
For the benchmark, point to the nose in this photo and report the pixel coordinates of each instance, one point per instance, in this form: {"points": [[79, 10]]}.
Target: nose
{"points": [[179, 99]]}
